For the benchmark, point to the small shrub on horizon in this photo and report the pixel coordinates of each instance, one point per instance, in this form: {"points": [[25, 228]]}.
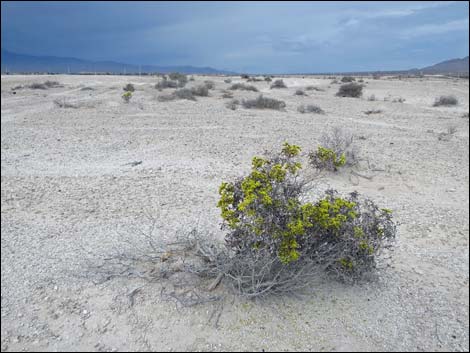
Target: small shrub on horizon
{"points": [[310, 108], [352, 89], [129, 87], [278, 84], [263, 103], [243, 87], [347, 79], [445, 101]]}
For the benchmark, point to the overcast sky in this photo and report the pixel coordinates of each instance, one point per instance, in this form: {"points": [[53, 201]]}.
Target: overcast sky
{"points": [[276, 37]]}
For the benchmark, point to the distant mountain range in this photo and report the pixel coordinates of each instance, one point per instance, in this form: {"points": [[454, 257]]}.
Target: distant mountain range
{"points": [[22, 63], [448, 66], [16, 63]]}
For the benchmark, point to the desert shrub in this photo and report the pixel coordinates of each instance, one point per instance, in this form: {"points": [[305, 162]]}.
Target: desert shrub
{"points": [[129, 87], [45, 85], [310, 108], [233, 104], [360, 80], [372, 98], [245, 76], [278, 84], [445, 101], [313, 88], [398, 100], [191, 78], [127, 97], [182, 79], [465, 115], [376, 77], [336, 150], [227, 94], [276, 243], [243, 87], [184, 93], [254, 79], [350, 90], [299, 92], [209, 84], [227, 80], [64, 104], [268, 79], [87, 89], [200, 91], [263, 103], [165, 83], [347, 79], [373, 111]]}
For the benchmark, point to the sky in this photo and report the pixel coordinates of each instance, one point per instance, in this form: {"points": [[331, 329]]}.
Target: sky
{"points": [[251, 37]]}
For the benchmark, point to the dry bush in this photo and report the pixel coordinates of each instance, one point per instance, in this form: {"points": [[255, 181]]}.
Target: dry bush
{"points": [[372, 98], [299, 92], [209, 84], [45, 85], [62, 103], [243, 87], [465, 115], [87, 89], [278, 84], [245, 76], [336, 150], [275, 243], [398, 100], [165, 83], [182, 79], [373, 111], [129, 88], [182, 93], [227, 94], [313, 88], [350, 90], [263, 103], [310, 108], [254, 79], [347, 79], [445, 101], [227, 80], [268, 78], [200, 91], [233, 104]]}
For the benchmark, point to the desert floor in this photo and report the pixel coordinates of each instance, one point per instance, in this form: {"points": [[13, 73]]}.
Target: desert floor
{"points": [[68, 193]]}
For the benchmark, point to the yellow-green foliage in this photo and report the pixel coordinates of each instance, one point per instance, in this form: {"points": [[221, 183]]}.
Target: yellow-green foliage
{"points": [[256, 203], [127, 96], [327, 156]]}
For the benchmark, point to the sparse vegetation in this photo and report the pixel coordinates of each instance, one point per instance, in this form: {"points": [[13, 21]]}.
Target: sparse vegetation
{"points": [[278, 84], [127, 97], [336, 150], [45, 85], [227, 94], [310, 108], [300, 92], [313, 88], [372, 98], [350, 90], [182, 79], [62, 103], [200, 91], [268, 78], [129, 87], [209, 84], [347, 79], [245, 76], [244, 87], [373, 111], [165, 83], [233, 104], [445, 101], [398, 100], [263, 103], [227, 80]]}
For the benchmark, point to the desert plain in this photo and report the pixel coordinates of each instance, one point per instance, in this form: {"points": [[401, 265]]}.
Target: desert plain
{"points": [[70, 190]]}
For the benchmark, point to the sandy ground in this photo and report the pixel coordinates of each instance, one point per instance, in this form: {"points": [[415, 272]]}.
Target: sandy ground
{"points": [[66, 186]]}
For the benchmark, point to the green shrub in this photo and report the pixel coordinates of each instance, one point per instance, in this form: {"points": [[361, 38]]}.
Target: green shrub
{"points": [[336, 150], [127, 96], [277, 243]]}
